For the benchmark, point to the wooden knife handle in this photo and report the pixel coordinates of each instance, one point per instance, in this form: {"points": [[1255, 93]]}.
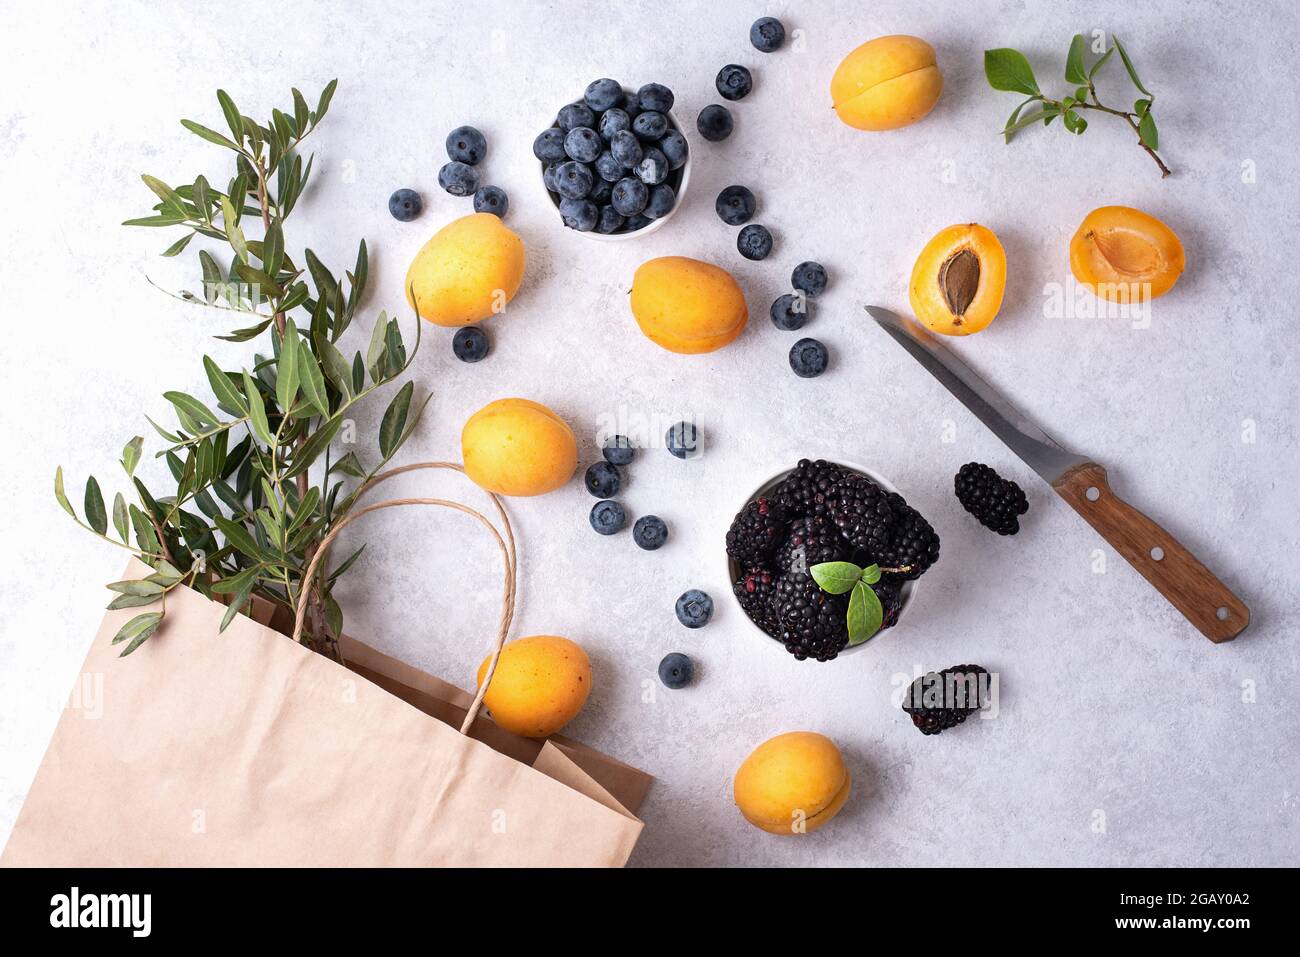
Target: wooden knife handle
{"points": [[1175, 572]]}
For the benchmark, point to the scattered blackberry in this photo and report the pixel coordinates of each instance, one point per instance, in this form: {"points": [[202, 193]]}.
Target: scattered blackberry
{"points": [[756, 531], [811, 541], [806, 490], [995, 501], [941, 700], [812, 623]]}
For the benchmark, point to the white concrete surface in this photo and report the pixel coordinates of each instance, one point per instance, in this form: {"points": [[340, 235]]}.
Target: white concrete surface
{"points": [[1123, 736]]}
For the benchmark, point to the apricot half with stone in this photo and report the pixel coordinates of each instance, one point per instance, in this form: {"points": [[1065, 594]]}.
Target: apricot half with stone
{"points": [[886, 83], [958, 280], [1124, 255]]}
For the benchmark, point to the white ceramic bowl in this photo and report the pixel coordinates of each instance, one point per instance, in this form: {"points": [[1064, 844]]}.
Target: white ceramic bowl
{"points": [[677, 178], [735, 571]]}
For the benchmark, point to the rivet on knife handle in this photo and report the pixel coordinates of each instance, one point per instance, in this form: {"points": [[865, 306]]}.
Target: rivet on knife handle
{"points": [[1175, 572]]}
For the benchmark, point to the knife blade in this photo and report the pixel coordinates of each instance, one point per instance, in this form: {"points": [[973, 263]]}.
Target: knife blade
{"points": [[1191, 587]]}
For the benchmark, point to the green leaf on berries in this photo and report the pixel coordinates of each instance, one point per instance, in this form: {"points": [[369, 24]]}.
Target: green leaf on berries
{"points": [[865, 614], [836, 577], [871, 574]]}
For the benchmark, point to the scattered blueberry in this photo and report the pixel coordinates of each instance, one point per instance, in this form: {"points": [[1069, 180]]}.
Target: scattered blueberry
{"points": [[789, 312], [583, 144], [613, 121], [735, 205], [734, 82], [650, 126], [603, 94], [470, 344], [607, 517], [573, 180], [610, 221], [603, 480], [694, 608], [405, 205], [754, 242], [608, 168], [767, 34], [579, 214], [655, 97], [629, 196], [674, 147], [575, 115], [548, 177], [809, 278], [626, 148], [549, 146], [653, 168], [466, 145], [601, 190], [491, 199], [618, 450], [459, 179], [714, 123], [661, 201], [808, 358], [650, 532], [682, 440], [676, 670]]}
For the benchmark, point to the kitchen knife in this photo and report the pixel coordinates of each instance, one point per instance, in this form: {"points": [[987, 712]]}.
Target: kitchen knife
{"points": [[1190, 587]]}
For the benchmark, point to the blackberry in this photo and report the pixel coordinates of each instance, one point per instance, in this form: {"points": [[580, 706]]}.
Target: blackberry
{"points": [[995, 501], [812, 540], [882, 526], [754, 591], [811, 623], [914, 545], [806, 490], [890, 592], [756, 532], [941, 700]]}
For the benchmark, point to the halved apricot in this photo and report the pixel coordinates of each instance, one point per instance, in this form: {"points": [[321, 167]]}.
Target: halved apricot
{"points": [[958, 279], [1124, 255]]}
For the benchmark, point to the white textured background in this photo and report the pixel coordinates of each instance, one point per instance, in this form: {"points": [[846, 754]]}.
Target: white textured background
{"points": [[1112, 705]]}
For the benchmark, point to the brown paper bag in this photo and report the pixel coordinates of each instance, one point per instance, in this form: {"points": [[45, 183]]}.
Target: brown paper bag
{"points": [[246, 749]]}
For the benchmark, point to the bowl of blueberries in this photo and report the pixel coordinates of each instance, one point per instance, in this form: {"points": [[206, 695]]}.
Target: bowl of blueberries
{"points": [[615, 163]]}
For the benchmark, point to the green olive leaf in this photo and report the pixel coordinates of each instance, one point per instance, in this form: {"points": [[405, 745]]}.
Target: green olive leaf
{"points": [[865, 614], [836, 578]]}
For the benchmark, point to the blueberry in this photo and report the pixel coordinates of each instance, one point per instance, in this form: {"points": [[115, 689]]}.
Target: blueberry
{"points": [[549, 146], [603, 480], [491, 199], [459, 179], [583, 144], [674, 147], [610, 221], [573, 180], [614, 121], [653, 168], [629, 196], [635, 222], [650, 532], [754, 242], [661, 201], [676, 670], [808, 358], [601, 190], [735, 205], [608, 517], [405, 205], [470, 344], [809, 278], [579, 214], [632, 108], [575, 115], [609, 168], [466, 145], [789, 312], [548, 177], [734, 82], [683, 440], [694, 608], [767, 34], [618, 450], [626, 148], [714, 123], [650, 126], [603, 94], [656, 97]]}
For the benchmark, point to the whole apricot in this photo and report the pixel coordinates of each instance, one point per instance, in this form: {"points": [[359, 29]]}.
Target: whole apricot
{"points": [[1124, 255], [793, 783], [886, 83], [540, 684], [686, 305], [518, 447], [958, 280], [468, 271]]}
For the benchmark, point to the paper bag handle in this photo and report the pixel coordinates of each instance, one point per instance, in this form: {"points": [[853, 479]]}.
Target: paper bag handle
{"points": [[506, 544]]}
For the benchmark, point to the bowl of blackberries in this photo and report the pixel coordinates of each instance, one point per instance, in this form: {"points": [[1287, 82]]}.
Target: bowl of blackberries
{"points": [[824, 557], [615, 163]]}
